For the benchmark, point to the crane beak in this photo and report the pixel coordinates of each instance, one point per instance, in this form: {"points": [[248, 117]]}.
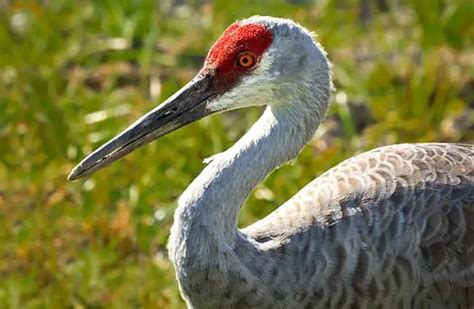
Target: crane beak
{"points": [[185, 106]]}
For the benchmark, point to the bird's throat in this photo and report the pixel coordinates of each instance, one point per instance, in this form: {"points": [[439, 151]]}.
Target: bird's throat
{"points": [[206, 218]]}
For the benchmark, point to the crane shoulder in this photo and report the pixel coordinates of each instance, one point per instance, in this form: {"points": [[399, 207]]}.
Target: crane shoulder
{"points": [[409, 177], [412, 203]]}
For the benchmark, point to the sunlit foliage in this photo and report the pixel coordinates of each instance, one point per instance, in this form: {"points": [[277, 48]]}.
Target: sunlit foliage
{"points": [[74, 73]]}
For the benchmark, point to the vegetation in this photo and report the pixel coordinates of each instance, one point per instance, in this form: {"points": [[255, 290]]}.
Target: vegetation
{"points": [[75, 73]]}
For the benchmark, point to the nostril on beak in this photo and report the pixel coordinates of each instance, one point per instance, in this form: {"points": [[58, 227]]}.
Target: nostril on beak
{"points": [[171, 111]]}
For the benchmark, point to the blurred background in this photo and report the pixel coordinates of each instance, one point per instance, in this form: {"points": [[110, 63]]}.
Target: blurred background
{"points": [[75, 73]]}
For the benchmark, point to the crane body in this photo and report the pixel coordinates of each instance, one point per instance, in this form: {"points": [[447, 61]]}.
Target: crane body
{"points": [[392, 227]]}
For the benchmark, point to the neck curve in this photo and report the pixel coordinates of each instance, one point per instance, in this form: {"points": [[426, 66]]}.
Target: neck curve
{"points": [[208, 209]]}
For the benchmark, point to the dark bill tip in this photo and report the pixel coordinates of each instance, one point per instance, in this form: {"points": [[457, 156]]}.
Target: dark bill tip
{"points": [[73, 175]]}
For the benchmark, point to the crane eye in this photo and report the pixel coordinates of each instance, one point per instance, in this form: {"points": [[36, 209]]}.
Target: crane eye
{"points": [[246, 60]]}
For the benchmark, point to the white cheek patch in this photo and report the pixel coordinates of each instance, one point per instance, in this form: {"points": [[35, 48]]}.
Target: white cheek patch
{"points": [[246, 94], [255, 89]]}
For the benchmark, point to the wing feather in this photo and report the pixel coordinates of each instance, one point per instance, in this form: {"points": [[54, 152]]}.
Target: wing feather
{"points": [[408, 207]]}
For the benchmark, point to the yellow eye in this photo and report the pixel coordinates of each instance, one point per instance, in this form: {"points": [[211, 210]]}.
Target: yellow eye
{"points": [[246, 60]]}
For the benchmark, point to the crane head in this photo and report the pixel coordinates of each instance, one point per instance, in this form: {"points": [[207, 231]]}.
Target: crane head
{"points": [[256, 61]]}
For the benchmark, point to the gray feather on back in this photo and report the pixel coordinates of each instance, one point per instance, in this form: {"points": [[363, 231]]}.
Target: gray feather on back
{"points": [[390, 226]]}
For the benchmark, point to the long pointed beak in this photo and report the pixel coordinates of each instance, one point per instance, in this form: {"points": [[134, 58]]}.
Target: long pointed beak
{"points": [[185, 106]]}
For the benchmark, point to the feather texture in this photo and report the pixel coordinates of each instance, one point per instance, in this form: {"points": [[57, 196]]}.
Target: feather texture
{"points": [[391, 228]]}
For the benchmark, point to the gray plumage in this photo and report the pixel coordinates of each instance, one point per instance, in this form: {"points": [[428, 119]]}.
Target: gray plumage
{"points": [[390, 228]]}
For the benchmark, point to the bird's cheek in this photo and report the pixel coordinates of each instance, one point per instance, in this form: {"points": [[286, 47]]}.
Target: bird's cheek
{"points": [[223, 102], [238, 96]]}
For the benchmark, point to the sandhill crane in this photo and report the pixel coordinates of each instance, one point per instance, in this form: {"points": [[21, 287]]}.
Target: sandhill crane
{"points": [[392, 227]]}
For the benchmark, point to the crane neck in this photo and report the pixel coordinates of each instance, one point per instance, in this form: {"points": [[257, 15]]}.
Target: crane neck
{"points": [[208, 209]]}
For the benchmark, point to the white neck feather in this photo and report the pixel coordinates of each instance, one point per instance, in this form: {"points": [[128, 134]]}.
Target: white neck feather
{"points": [[205, 246], [205, 220]]}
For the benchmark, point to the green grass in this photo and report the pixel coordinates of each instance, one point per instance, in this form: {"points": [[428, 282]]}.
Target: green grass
{"points": [[74, 73]]}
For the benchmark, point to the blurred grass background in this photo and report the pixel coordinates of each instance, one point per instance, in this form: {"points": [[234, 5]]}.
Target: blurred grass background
{"points": [[75, 73]]}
